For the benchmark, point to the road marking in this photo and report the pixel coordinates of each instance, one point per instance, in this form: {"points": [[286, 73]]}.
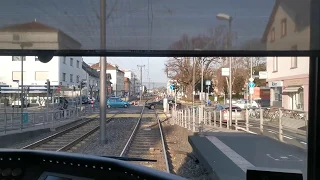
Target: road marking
{"points": [[241, 162], [272, 157], [287, 137], [303, 142], [38, 124], [272, 132]]}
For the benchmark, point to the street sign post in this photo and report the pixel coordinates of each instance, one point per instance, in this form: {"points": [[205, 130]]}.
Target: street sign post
{"points": [[263, 75], [251, 79], [171, 87], [208, 82], [225, 71], [251, 84], [251, 90]]}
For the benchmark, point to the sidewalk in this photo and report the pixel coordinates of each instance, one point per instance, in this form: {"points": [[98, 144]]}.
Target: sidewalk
{"points": [[286, 122]]}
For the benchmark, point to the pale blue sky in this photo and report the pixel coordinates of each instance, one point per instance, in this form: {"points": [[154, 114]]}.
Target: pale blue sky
{"points": [[156, 66]]}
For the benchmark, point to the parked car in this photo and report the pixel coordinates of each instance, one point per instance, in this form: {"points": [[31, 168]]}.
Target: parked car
{"points": [[159, 104], [117, 102], [84, 100], [236, 112], [246, 104]]}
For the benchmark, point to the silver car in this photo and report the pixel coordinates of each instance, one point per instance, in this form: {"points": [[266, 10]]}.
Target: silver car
{"points": [[237, 113]]}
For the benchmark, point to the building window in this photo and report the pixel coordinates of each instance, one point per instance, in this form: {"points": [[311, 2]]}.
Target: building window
{"points": [[294, 60], [272, 35], [71, 61], [78, 79], [18, 58], [78, 64], [278, 94], [64, 61], [283, 27], [275, 64], [63, 76], [71, 77], [36, 58], [16, 75], [16, 37], [41, 75]]}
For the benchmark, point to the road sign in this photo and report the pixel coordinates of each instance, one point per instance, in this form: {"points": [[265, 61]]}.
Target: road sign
{"points": [[208, 82], [251, 84], [263, 75], [251, 90], [171, 87], [251, 79], [225, 71]]}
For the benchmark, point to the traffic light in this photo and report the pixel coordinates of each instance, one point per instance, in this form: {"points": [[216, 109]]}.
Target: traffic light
{"points": [[48, 85], [174, 87], [82, 84]]}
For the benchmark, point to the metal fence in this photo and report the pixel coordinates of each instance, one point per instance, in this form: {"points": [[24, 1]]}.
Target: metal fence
{"points": [[278, 121], [13, 120]]}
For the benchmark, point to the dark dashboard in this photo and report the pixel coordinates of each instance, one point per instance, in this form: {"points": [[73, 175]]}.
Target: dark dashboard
{"points": [[44, 165]]}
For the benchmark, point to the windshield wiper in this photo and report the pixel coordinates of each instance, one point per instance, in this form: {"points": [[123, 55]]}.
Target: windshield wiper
{"points": [[130, 158]]}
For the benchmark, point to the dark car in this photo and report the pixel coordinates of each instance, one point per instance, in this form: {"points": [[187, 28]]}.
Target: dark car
{"points": [[159, 104]]}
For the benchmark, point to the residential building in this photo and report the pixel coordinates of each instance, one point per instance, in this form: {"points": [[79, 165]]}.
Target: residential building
{"points": [[127, 85], [62, 72], [288, 77], [92, 79], [133, 82], [35, 35], [117, 80]]}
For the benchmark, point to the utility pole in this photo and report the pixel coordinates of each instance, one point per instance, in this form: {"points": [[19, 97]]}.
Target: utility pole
{"points": [[202, 69], [21, 98], [251, 77], [103, 62], [193, 81], [140, 66]]}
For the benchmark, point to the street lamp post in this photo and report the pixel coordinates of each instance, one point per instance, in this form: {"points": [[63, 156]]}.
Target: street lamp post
{"points": [[202, 69], [228, 18]]}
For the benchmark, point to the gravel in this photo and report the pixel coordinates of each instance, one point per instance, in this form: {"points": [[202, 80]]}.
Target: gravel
{"points": [[20, 144], [118, 132], [182, 159]]}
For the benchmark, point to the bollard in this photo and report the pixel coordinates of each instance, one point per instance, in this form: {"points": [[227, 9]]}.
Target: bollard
{"points": [[247, 119], [210, 118], [214, 118], [185, 118], [205, 117], [280, 126], [220, 118], [189, 119], [228, 121], [236, 120], [261, 121], [193, 119], [200, 115]]}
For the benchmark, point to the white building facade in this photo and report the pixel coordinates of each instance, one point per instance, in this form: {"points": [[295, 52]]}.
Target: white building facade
{"points": [[117, 78], [92, 79], [288, 77], [133, 81], [62, 72]]}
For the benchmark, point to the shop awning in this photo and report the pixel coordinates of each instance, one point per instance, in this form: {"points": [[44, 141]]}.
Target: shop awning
{"points": [[291, 89]]}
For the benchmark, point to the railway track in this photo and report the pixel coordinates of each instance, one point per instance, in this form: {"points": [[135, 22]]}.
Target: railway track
{"points": [[66, 139], [147, 141]]}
